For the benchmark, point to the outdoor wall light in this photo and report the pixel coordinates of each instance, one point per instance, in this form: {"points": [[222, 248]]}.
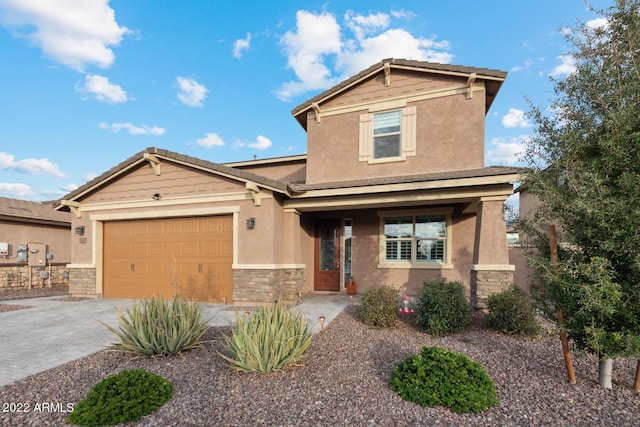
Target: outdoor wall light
{"points": [[251, 223], [80, 230], [156, 196]]}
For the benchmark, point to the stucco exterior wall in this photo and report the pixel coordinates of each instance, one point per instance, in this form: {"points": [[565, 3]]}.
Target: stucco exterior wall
{"points": [[57, 239], [449, 136]]}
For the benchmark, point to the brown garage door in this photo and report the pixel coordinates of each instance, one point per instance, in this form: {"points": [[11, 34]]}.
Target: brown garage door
{"points": [[187, 256]]}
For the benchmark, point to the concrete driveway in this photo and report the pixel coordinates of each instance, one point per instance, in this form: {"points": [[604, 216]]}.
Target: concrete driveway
{"points": [[56, 330]]}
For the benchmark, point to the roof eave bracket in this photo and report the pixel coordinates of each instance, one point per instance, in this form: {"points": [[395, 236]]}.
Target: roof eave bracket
{"points": [[153, 161], [255, 193], [316, 110], [470, 81], [387, 74], [74, 207]]}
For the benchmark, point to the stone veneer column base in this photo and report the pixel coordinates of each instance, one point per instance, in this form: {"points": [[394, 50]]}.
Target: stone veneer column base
{"points": [[486, 280], [82, 282], [252, 287]]}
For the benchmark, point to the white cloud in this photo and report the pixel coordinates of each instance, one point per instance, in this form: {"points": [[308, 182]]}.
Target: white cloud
{"points": [[133, 130], [319, 41], [70, 187], [566, 67], [102, 89], [315, 37], [362, 25], [262, 143], [240, 45], [515, 119], [597, 23], [30, 166], [74, 33], [190, 92], [210, 140], [503, 152], [527, 64], [403, 14], [397, 43], [17, 190]]}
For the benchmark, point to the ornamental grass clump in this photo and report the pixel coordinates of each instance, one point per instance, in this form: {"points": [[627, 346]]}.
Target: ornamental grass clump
{"points": [[120, 398], [379, 306], [511, 312], [157, 327], [439, 377], [442, 307], [269, 339]]}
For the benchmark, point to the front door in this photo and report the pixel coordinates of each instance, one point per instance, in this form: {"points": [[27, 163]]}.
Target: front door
{"points": [[327, 255]]}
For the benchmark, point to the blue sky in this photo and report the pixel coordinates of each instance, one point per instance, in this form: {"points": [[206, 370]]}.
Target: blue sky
{"points": [[88, 83]]}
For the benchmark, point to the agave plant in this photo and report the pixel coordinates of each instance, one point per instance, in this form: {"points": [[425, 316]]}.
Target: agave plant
{"points": [[270, 339], [157, 327]]}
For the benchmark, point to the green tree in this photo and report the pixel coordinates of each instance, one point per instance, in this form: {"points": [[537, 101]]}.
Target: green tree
{"points": [[584, 163]]}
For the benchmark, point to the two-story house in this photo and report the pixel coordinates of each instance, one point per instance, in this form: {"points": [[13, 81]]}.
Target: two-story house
{"points": [[393, 190]]}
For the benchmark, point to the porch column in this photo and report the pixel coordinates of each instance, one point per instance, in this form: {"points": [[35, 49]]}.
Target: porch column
{"points": [[490, 271]]}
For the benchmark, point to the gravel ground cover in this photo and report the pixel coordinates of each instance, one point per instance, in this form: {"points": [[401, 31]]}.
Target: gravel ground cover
{"points": [[12, 294], [344, 382]]}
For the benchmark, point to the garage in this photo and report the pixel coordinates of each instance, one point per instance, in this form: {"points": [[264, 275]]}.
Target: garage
{"points": [[186, 256]]}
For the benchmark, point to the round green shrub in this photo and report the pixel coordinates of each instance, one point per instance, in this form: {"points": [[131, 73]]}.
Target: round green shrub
{"points": [[442, 307], [379, 306], [123, 397], [439, 377], [511, 312]]}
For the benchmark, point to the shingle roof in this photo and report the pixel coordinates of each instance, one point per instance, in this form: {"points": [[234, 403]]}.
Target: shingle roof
{"points": [[435, 176], [23, 210], [483, 73], [216, 168]]}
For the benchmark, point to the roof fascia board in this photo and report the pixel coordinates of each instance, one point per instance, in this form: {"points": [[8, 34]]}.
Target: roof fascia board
{"points": [[396, 66], [269, 161], [238, 196], [465, 74], [401, 101], [456, 195], [412, 186]]}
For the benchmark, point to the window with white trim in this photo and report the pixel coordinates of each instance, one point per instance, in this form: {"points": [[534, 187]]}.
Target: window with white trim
{"points": [[387, 135], [415, 239]]}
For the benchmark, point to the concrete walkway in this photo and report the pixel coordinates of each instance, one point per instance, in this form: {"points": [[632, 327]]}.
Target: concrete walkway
{"points": [[55, 330]]}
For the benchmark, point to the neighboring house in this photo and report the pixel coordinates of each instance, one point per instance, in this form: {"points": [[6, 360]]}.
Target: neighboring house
{"points": [[393, 190], [35, 244]]}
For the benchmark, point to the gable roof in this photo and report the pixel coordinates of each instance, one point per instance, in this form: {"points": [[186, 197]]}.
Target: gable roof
{"points": [[493, 80], [33, 212], [153, 154], [481, 176]]}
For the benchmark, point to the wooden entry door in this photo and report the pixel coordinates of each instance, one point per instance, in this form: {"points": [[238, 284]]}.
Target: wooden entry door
{"points": [[327, 255]]}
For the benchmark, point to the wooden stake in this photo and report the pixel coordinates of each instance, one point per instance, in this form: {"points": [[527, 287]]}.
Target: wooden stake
{"points": [[560, 315], [636, 383]]}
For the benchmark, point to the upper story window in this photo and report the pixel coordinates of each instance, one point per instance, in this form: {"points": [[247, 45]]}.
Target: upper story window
{"points": [[388, 135]]}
